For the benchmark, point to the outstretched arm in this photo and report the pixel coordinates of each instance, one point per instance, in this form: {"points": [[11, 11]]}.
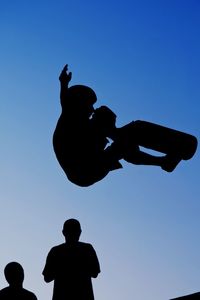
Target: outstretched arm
{"points": [[64, 78]]}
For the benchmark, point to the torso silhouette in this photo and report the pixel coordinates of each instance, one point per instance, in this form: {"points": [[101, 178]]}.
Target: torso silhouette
{"points": [[79, 142], [11, 293], [71, 268]]}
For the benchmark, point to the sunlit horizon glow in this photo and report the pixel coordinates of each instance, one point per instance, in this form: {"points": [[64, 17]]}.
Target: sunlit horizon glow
{"points": [[142, 60]]}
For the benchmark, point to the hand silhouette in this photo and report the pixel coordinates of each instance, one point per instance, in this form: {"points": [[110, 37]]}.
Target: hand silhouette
{"points": [[64, 76]]}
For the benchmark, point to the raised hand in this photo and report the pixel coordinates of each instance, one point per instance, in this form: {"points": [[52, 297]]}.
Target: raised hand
{"points": [[65, 77]]}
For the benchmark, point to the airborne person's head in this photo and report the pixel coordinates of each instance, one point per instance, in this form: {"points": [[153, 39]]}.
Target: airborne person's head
{"points": [[81, 99]]}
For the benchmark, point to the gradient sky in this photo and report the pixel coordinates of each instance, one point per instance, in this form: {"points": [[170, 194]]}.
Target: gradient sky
{"points": [[142, 59]]}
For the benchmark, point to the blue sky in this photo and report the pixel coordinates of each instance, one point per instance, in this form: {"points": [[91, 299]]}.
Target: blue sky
{"points": [[142, 59]]}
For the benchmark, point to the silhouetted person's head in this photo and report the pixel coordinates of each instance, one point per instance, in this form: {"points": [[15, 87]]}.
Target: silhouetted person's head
{"points": [[81, 98], [14, 274], [72, 231]]}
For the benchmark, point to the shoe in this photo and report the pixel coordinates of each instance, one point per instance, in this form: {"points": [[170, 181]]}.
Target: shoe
{"points": [[170, 162]]}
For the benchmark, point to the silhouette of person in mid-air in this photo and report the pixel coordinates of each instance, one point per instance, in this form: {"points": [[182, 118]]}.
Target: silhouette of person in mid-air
{"points": [[14, 275], [82, 135], [72, 265]]}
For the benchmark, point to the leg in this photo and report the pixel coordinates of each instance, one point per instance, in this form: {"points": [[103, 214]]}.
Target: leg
{"points": [[174, 144], [142, 158], [158, 138], [167, 162], [132, 154]]}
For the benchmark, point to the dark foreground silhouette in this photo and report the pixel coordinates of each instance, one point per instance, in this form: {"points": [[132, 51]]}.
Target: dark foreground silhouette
{"points": [[195, 296], [14, 275], [72, 265], [82, 135]]}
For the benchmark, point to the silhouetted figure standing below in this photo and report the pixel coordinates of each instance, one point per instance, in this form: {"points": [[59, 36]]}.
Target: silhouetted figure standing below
{"points": [[14, 275], [80, 139], [72, 265]]}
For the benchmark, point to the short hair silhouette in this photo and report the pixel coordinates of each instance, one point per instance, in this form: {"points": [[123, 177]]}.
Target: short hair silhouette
{"points": [[72, 230], [72, 265], [84, 96], [71, 225], [14, 274], [82, 135]]}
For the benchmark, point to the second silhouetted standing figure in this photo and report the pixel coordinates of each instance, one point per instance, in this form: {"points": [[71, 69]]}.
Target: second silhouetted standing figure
{"points": [[72, 265]]}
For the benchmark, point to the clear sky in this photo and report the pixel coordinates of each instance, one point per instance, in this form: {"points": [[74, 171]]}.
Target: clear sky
{"points": [[142, 59]]}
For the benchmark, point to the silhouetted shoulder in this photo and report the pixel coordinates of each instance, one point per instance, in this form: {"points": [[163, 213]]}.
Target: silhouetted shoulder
{"points": [[62, 246], [58, 247], [85, 245], [9, 293]]}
